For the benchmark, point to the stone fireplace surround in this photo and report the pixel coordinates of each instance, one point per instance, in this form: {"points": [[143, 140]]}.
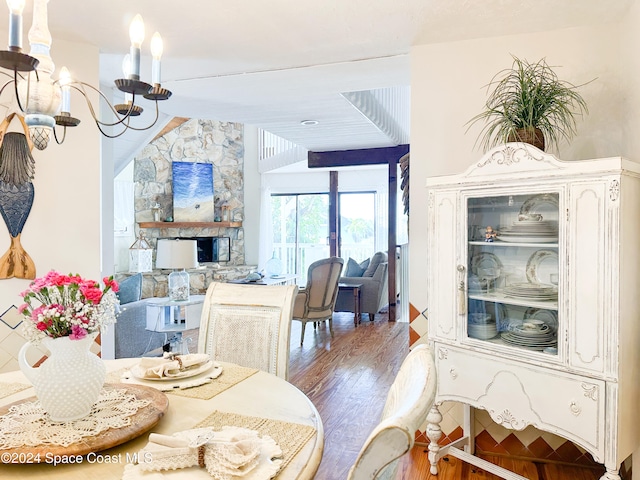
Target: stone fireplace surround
{"points": [[205, 141]]}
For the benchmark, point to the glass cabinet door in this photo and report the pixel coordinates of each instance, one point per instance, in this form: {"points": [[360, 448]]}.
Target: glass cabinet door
{"points": [[513, 271]]}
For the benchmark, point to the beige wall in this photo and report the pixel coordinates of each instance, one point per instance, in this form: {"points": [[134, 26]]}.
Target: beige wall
{"points": [[63, 230], [630, 59], [447, 88]]}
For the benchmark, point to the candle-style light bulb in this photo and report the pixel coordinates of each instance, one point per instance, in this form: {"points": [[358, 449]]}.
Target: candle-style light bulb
{"points": [[136, 31], [156, 53], [156, 46], [64, 79], [16, 6], [15, 24], [136, 34]]}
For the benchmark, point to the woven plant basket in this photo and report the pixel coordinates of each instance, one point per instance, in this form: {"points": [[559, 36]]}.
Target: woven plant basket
{"points": [[527, 135]]}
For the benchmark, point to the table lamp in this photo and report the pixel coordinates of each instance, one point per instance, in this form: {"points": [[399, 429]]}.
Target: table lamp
{"points": [[176, 254]]}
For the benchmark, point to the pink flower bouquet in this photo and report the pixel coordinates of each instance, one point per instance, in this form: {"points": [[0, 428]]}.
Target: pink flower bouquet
{"points": [[59, 305]]}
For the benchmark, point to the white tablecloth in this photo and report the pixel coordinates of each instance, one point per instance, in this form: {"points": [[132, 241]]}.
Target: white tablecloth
{"points": [[260, 395]]}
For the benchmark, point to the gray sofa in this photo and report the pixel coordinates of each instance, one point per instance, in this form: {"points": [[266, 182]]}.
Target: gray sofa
{"points": [[373, 278], [132, 339], [131, 336]]}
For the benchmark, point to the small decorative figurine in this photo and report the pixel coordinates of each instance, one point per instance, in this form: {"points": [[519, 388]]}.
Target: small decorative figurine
{"points": [[489, 234]]}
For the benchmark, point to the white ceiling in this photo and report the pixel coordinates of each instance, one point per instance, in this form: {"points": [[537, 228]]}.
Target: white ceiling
{"points": [[274, 63]]}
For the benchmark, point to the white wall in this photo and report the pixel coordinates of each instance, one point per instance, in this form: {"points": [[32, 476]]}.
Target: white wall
{"points": [[123, 208], [63, 228], [447, 90], [252, 198]]}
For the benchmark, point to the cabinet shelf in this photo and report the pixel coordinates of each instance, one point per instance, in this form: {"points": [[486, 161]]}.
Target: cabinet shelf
{"points": [[513, 244], [190, 224], [498, 297]]}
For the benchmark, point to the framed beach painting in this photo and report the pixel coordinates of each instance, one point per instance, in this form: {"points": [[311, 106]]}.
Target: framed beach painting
{"points": [[192, 192]]}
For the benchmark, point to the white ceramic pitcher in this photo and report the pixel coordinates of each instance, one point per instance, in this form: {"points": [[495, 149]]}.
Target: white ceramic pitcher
{"points": [[69, 382]]}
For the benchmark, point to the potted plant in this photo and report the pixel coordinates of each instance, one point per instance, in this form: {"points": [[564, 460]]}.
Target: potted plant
{"points": [[530, 104]]}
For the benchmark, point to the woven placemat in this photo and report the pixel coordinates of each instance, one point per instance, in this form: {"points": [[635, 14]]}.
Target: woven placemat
{"points": [[7, 389], [230, 376], [291, 437]]}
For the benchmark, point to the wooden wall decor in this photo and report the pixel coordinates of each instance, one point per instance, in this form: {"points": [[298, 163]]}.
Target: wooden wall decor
{"points": [[404, 172], [16, 197]]}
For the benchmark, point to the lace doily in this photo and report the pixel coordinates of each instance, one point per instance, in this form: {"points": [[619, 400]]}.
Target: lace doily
{"points": [[7, 389], [27, 424]]}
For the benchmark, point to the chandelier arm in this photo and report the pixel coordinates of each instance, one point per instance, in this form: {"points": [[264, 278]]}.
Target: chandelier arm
{"points": [[92, 110], [5, 86], [140, 129], [122, 120], [126, 127], [15, 88], [15, 72], [64, 135]]}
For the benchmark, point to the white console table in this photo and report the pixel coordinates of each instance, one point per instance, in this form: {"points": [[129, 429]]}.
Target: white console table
{"points": [[168, 316]]}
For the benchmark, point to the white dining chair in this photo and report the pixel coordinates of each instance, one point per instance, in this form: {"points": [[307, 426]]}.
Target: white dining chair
{"points": [[248, 325], [410, 398]]}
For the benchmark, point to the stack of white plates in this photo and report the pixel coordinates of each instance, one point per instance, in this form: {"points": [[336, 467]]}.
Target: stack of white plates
{"points": [[532, 291], [482, 331], [534, 335], [529, 231]]}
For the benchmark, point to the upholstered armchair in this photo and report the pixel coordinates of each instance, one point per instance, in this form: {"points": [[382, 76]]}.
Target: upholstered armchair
{"points": [[372, 275], [316, 301]]}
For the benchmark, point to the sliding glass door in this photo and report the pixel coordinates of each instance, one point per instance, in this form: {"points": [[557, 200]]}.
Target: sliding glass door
{"points": [[357, 225], [300, 231]]}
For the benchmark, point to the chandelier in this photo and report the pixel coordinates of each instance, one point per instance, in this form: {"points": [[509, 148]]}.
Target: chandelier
{"points": [[45, 102]]}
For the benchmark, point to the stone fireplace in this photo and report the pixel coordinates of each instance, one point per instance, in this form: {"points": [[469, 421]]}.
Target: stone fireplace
{"points": [[202, 141]]}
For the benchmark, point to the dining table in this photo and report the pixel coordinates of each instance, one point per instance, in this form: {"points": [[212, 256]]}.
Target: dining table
{"points": [[249, 398]]}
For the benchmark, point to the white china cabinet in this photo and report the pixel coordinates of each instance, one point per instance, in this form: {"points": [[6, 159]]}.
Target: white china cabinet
{"points": [[534, 299]]}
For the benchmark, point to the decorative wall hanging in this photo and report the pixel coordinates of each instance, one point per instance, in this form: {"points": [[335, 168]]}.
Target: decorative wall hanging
{"points": [[16, 197], [193, 192], [404, 185]]}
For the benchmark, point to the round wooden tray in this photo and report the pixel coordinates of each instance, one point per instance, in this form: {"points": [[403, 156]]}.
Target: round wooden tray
{"points": [[142, 421]]}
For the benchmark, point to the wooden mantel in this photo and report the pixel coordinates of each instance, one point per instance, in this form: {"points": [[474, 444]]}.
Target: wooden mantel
{"points": [[190, 224]]}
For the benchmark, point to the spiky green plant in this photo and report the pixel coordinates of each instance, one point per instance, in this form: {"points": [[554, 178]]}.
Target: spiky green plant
{"points": [[529, 96]]}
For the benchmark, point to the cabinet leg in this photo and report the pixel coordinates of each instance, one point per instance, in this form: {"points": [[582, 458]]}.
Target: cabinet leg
{"points": [[611, 474], [434, 432]]}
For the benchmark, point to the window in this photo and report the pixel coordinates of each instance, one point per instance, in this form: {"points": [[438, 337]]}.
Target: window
{"points": [[300, 231], [357, 225]]}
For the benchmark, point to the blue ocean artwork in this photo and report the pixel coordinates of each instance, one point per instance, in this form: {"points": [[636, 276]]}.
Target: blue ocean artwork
{"points": [[193, 192]]}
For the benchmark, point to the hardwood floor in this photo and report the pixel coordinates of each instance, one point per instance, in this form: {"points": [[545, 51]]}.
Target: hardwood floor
{"points": [[348, 377]]}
